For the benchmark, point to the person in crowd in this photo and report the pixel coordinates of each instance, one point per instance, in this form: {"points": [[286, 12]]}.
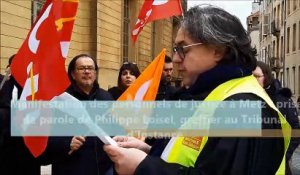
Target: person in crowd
{"points": [[298, 103], [80, 155], [15, 158], [165, 89], [7, 76], [1, 78], [128, 73], [282, 99], [214, 54]]}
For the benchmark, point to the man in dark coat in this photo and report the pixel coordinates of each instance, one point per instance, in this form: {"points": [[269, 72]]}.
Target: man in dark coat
{"points": [[80, 155], [1, 78], [210, 54], [165, 91]]}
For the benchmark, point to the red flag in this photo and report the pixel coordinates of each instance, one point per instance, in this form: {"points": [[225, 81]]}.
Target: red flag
{"points": [[39, 65], [153, 10], [146, 86]]}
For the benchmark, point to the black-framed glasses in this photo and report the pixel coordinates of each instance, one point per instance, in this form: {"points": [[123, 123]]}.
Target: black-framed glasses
{"points": [[180, 49]]}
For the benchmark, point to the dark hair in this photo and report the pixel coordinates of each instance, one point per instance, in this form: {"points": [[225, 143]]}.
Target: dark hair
{"points": [[266, 70], [72, 66], [168, 59], [131, 67], [213, 25], [10, 59]]}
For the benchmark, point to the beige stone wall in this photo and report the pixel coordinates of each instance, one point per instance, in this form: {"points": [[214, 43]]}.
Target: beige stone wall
{"points": [[97, 32], [14, 25], [109, 21], [292, 58], [84, 31], [110, 39]]}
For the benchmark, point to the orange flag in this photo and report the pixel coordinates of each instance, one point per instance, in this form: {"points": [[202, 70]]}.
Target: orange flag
{"points": [[146, 86]]}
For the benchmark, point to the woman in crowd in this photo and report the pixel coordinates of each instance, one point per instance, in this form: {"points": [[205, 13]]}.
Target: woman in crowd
{"points": [[282, 99], [128, 73]]}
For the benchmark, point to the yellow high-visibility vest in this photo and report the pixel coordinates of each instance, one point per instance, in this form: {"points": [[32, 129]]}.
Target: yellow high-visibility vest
{"points": [[177, 150]]}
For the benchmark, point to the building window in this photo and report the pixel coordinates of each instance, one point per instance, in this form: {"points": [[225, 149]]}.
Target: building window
{"points": [[288, 41], [281, 46], [126, 22], [294, 37], [266, 55], [282, 13], [266, 28], [287, 83], [294, 80], [298, 80], [274, 54], [269, 54], [260, 32], [36, 8], [288, 7], [274, 14], [294, 5], [277, 47], [278, 16]]}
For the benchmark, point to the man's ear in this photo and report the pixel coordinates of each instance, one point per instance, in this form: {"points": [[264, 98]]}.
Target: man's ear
{"points": [[219, 52], [72, 75]]}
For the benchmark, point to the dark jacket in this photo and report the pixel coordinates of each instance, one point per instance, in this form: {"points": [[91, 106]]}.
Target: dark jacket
{"points": [[165, 90], [282, 99], [224, 155], [15, 158], [116, 92], [88, 159]]}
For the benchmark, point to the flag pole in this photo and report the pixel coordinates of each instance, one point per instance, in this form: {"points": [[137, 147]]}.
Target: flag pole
{"points": [[32, 83], [182, 13]]}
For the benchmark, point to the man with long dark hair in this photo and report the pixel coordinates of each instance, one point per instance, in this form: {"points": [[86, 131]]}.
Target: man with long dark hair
{"points": [[214, 55]]}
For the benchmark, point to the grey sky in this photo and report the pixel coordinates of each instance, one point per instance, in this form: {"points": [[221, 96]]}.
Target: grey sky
{"points": [[239, 8]]}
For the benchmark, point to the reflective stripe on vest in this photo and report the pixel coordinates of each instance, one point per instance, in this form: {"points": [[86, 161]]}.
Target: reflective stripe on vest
{"points": [[185, 150]]}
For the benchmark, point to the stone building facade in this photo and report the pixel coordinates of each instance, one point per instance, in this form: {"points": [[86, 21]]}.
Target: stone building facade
{"points": [[279, 40], [102, 29]]}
